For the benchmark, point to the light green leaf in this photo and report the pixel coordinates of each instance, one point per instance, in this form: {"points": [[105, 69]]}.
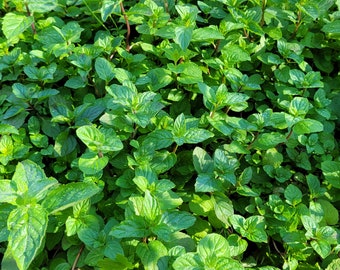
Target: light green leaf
{"points": [[178, 220], [197, 135], [27, 225], [91, 136], [42, 6], [331, 171], [267, 141], [203, 163], [213, 245], [7, 192], [150, 208], [108, 7], [207, 183], [334, 265], [223, 208], [237, 245], [209, 33], [13, 25], [153, 255], [65, 196], [255, 229], [189, 261], [233, 54], [322, 247], [190, 73], [90, 163], [299, 106], [307, 126], [31, 182], [6, 129]]}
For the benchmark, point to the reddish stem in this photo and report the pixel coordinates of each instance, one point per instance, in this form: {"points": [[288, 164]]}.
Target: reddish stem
{"points": [[29, 14], [127, 39]]}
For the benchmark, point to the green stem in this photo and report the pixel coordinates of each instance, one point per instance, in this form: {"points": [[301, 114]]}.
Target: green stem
{"points": [[94, 15]]}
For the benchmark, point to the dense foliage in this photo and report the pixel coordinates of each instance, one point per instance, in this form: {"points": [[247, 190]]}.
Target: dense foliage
{"points": [[162, 134]]}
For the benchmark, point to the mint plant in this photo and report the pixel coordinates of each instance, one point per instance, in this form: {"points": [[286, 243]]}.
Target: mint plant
{"points": [[167, 135]]}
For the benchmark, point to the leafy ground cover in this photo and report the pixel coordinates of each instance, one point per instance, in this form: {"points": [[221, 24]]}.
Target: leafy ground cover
{"points": [[169, 134]]}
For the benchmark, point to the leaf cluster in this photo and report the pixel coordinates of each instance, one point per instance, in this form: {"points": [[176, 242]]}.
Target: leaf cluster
{"points": [[169, 135]]}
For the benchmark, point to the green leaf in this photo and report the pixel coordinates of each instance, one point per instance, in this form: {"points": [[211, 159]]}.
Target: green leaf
{"points": [[252, 228], [307, 126], [207, 183], [331, 214], [299, 106], [91, 163], [7, 192], [65, 143], [213, 245], [42, 6], [108, 7], [267, 141], [153, 255], [135, 227], [91, 136], [190, 73], [65, 196], [223, 208], [188, 261], [31, 182], [150, 207], [233, 54], [209, 33], [13, 25], [331, 171], [293, 195], [197, 135], [159, 139], [322, 247], [159, 78], [334, 265], [27, 225], [237, 245], [183, 36], [104, 69], [178, 220], [332, 27], [8, 129], [203, 163], [120, 262]]}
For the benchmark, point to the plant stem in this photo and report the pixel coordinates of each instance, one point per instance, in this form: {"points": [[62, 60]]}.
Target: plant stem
{"points": [[29, 14], [289, 134], [264, 3], [78, 257], [298, 23], [127, 38], [166, 6], [94, 16]]}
